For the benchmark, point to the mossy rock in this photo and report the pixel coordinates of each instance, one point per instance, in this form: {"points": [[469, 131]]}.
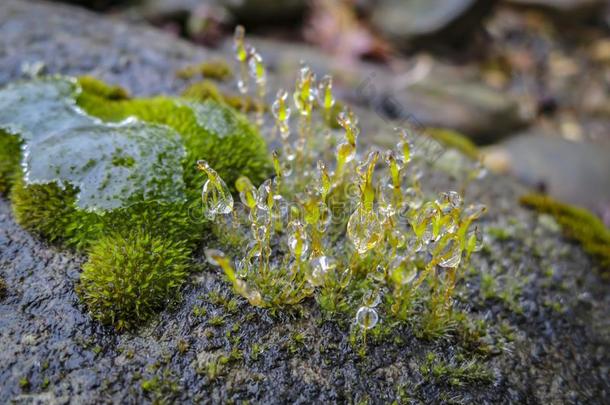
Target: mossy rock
{"points": [[215, 348]]}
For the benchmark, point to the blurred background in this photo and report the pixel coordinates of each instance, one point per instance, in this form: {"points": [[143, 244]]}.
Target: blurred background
{"points": [[526, 80]]}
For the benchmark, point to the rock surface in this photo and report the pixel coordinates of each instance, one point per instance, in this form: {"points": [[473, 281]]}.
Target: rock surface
{"points": [[574, 172], [571, 8], [416, 20], [51, 351]]}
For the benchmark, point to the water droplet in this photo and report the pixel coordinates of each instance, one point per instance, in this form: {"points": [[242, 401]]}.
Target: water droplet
{"points": [[452, 198], [366, 317], [475, 240], [297, 240], [403, 271], [257, 67], [213, 255], [247, 192], [364, 229], [289, 153], [371, 299], [379, 273], [281, 113], [305, 90], [325, 94], [320, 267], [451, 254], [349, 122], [215, 195], [265, 195], [475, 211], [346, 152]]}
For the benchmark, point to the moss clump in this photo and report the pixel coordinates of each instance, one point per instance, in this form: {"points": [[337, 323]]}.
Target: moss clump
{"points": [[206, 90], [95, 86], [50, 212], [138, 253], [233, 150], [576, 223], [130, 276], [215, 69], [10, 150], [454, 140]]}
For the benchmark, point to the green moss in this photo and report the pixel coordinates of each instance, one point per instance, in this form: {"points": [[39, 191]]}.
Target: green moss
{"points": [[577, 224], [214, 69], [122, 282], [10, 151], [454, 140], [95, 86], [50, 212], [206, 90], [456, 372], [227, 141], [128, 277]]}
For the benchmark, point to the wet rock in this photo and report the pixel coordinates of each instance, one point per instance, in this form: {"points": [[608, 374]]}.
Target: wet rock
{"points": [[565, 8], [51, 350], [574, 172], [256, 12], [408, 21], [465, 105]]}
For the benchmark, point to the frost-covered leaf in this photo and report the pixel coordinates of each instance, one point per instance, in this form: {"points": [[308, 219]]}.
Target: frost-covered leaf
{"points": [[113, 165]]}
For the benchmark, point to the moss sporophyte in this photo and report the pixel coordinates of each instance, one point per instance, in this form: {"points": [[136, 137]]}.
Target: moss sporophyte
{"points": [[351, 230]]}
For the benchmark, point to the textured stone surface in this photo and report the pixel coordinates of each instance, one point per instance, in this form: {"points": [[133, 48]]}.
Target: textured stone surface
{"points": [[559, 353], [407, 21]]}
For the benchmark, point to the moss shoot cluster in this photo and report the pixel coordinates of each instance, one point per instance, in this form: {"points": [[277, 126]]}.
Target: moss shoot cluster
{"points": [[129, 276]]}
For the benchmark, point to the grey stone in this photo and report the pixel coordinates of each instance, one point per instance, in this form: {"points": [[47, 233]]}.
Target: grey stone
{"points": [[574, 172], [406, 21]]}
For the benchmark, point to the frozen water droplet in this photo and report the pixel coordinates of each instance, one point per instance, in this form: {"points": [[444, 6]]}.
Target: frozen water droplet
{"points": [[297, 240], [305, 90], [364, 230], [371, 299], [325, 95], [451, 254], [379, 273], [257, 67], [452, 198], [215, 195], [320, 267], [213, 255], [475, 211], [404, 271], [475, 240], [366, 317]]}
